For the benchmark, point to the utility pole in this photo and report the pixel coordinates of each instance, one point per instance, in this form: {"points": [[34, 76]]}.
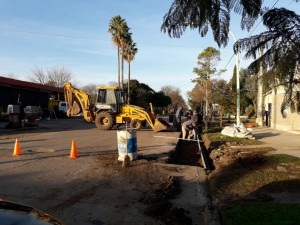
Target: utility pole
{"points": [[260, 104], [206, 106], [238, 91]]}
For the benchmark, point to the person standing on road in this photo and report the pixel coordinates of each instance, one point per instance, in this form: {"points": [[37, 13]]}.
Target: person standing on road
{"points": [[179, 114], [188, 128], [21, 115]]}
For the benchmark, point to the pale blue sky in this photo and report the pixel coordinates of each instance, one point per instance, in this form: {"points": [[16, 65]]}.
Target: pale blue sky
{"points": [[73, 34]]}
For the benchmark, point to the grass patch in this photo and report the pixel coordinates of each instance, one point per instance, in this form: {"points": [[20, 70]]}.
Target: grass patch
{"points": [[218, 137], [250, 182], [269, 172], [281, 158], [261, 214]]}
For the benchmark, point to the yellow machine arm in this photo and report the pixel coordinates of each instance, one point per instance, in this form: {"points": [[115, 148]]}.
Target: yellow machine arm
{"points": [[132, 112], [135, 112], [78, 102]]}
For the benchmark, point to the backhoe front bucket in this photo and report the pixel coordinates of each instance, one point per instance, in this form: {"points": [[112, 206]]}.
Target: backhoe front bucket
{"points": [[160, 124]]}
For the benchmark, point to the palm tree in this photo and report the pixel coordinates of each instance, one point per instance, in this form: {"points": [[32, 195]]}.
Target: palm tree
{"points": [[216, 14], [125, 39], [117, 27], [129, 52]]}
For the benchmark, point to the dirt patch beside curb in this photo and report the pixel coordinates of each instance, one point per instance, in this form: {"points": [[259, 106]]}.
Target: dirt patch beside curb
{"points": [[154, 188], [252, 174]]}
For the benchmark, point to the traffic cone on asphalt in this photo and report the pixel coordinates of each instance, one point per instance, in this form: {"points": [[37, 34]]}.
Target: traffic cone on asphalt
{"points": [[17, 149], [73, 153]]}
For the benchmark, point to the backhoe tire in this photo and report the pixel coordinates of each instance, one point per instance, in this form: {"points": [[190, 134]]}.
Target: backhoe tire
{"points": [[136, 124], [104, 121]]}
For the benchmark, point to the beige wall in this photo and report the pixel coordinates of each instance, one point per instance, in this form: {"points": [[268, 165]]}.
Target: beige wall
{"points": [[292, 120]]}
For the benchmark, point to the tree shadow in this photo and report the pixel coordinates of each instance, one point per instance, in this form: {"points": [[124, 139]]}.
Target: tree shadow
{"points": [[250, 178], [52, 125], [259, 136]]}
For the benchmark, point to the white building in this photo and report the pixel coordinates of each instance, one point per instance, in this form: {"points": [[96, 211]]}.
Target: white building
{"points": [[282, 118]]}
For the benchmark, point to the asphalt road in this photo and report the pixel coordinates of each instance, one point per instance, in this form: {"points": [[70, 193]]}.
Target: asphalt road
{"points": [[54, 138], [86, 190]]}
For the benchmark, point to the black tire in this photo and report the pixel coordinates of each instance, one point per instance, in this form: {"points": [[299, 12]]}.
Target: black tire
{"points": [[136, 124], [104, 121]]}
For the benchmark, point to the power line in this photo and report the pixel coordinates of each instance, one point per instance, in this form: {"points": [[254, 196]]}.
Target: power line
{"points": [[255, 29], [85, 38], [262, 20], [229, 60], [47, 34]]}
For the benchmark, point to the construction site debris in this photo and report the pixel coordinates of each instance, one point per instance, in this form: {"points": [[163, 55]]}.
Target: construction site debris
{"points": [[237, 131]]}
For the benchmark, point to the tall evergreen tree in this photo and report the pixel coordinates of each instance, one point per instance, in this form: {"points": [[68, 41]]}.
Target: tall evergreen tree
{"points": [[207, 62]]}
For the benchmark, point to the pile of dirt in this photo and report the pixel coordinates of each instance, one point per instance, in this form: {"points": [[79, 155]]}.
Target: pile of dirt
{"points": [[236, 157], [160, 207], [250, 174], [154, 188]]}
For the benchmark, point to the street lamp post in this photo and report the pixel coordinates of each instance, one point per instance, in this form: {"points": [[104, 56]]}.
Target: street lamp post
{"points": [[238, 98]]}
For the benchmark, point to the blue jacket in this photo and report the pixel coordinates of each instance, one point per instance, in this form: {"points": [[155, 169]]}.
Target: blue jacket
{"points": [[179, 113]]}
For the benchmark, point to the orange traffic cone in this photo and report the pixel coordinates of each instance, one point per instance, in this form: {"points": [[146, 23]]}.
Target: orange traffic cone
{"points": [[73, 153], [17, 149]]}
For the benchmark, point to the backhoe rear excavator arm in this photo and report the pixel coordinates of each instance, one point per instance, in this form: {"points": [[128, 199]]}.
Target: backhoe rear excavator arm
{"points": [[78, 102]]}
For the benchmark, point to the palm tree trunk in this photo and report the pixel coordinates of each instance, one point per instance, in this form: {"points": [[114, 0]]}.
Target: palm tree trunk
{"points": [[254, 102], [122, 67], [119, 66], [128, 101]]}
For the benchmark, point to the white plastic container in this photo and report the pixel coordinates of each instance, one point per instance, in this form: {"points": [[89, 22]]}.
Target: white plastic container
{"points": [[127, 144]]}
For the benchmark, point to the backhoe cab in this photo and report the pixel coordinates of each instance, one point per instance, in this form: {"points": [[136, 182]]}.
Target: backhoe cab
{"points": [[110, 111]]}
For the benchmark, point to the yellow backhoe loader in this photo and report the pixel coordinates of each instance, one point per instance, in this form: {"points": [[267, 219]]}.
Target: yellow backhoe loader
{"points": [[110, 111]]}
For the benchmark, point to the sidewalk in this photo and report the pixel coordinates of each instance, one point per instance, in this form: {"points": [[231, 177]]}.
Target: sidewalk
{"points": [[284, 142]]}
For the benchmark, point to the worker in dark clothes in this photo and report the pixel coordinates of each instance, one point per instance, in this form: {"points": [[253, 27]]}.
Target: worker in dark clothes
{"points": [[22, 114], [188, 114], [179, 114]]}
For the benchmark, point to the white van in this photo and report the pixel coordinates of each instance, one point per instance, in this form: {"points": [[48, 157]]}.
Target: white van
{"points": [[62, 108]]}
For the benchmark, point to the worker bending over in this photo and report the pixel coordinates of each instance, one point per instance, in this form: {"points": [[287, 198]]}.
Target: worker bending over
{"points": [[188, 129]]}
